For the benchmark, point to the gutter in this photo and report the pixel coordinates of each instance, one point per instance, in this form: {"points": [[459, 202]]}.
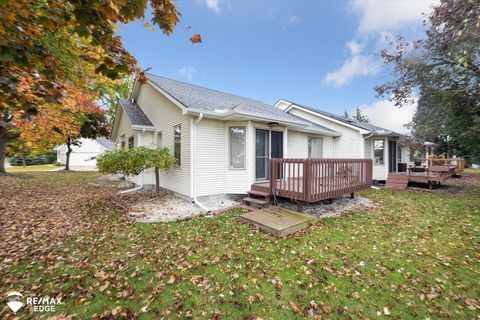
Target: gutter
{"points": [[193, 165]]}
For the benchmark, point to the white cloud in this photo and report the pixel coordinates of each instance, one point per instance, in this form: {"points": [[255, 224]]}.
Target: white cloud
{"points": [[187, 72], [354, 47], [385, 114], [356, 65], [294, 20], [377, 16], [212, 5]]}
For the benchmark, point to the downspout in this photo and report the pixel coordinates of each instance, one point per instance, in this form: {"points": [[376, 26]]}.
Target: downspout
{"points": [[140, 185], [193, 165]]}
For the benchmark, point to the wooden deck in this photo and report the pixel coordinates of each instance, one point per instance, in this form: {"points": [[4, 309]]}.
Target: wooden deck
{"points": [[278, 221], [313, 180], [432, 175]]}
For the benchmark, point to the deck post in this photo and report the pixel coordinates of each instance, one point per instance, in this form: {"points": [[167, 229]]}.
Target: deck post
{"points": [[300, 206]]}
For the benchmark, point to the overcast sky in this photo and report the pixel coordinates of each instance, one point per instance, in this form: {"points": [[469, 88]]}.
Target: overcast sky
{"points": [[323, 54]]}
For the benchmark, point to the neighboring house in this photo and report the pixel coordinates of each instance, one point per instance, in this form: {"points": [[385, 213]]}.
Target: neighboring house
{"points": [[357, 139], [223, 142], [82, 154]]}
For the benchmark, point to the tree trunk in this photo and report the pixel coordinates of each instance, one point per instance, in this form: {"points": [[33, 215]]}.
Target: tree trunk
{"points": [[157, 181], [24, 163], [3, 147], [69, 151]]}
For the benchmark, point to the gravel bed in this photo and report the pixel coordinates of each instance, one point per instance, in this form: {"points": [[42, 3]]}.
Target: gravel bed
{"points": [[171, 208], [324, 210]]}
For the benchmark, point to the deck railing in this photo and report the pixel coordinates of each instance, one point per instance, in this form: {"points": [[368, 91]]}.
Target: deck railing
{"points": [[312, 180], [440, 161]]}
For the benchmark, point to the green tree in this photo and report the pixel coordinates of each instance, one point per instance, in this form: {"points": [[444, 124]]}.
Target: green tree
{"points": [[443, 72], [359, 116], [132, 162]]}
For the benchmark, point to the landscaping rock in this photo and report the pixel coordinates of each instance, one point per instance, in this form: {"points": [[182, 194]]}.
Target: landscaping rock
{"points": [[168, 207], [324, 210]]}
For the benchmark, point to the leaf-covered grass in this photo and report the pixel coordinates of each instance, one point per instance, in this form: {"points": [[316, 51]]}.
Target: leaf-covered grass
{"points": [[36, 167], [416, 255]]}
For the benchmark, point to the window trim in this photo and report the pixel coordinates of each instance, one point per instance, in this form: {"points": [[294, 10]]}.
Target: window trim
{"points": [[309, 149], [383, 152], [244, 149], [161, 134], [179, 164]]}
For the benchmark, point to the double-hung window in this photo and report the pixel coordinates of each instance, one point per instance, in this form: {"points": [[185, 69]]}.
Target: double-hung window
{"points": [[378, 149], [315, 148], [237, 147], [131, 142], [159, 140], [177, 144]]}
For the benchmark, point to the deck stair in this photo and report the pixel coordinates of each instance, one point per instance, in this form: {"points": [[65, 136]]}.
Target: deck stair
{"points": [[259, 195], [397, 181]]}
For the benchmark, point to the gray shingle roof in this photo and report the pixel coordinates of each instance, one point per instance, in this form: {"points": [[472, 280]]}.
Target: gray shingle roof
{"points": [[107, 144], [361, 125], [196, 97], [135, 114]]}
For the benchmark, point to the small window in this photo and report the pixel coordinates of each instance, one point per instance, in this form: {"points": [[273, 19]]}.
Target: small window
{"points": [[159, 140], [378, 148], [315, 148], [177, 144], [131, 142], [237, 147]]}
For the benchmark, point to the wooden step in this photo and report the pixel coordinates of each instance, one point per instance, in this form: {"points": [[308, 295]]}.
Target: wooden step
{"points": [[258, 202], [261, 188], [259, 193]]}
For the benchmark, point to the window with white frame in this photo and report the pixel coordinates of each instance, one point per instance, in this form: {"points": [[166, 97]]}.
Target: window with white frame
{"points": [[315, 148], [131, 142], [237, 147], [159, 140], [177, 144], [378, 150]]}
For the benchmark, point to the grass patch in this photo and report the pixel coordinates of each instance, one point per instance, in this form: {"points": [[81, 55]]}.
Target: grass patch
{"points": [[36, 167], [415, 256]]}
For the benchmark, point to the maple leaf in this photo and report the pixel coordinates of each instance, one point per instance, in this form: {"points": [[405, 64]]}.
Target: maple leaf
{"points": [[196, 38]]}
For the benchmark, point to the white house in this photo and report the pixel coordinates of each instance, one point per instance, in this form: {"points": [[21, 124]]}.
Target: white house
{"points": [[223, 142], [82, 154], [357, 139]]}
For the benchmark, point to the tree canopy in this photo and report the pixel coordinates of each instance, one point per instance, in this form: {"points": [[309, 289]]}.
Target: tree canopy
{"points": [[442, 71], [54, 51]]}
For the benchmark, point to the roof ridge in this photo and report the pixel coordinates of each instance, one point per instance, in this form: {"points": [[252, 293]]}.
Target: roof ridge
{"points": [[205, 88]]}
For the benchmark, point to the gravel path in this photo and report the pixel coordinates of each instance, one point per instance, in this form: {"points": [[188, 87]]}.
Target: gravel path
{"points": [[324, 210], [171, 208]]}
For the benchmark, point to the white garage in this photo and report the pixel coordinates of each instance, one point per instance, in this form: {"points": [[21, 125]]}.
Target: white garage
{"points": [[82, 154]]}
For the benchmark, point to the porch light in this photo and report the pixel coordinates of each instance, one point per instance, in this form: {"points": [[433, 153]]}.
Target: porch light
{"points": [[273, 124]]}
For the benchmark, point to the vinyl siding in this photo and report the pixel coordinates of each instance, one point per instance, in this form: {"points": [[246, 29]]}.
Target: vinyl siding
{"points": [[213, 174], [298, 145], [164, 115], [348, 145], [125, 130]]}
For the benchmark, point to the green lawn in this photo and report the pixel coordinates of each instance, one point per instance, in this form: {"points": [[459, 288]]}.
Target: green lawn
{"points": [[472, 171], [417, 255], [37, 167]]}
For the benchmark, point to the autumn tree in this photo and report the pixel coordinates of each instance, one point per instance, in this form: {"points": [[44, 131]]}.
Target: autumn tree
{"points": [[442, 71], [36, 36]]}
